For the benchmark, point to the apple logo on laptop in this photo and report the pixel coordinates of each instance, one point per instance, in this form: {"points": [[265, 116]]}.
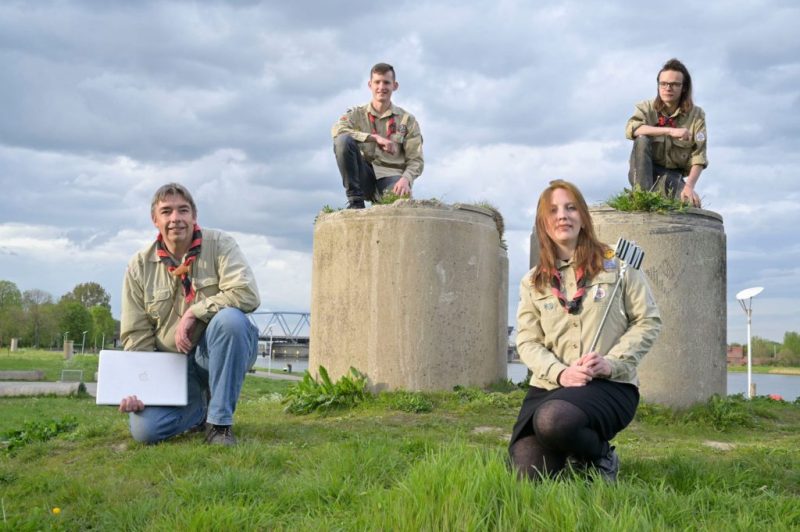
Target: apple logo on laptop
{"points": [[143, 376]]}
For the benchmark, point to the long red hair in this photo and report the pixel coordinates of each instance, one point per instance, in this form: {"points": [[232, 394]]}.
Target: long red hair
{"points": [[588, 252]]}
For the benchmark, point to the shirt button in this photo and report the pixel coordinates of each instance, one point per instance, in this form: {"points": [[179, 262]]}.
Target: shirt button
{"points": [[574, 323], [575, 346]]}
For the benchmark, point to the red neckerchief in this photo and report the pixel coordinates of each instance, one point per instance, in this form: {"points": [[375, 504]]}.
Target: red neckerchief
{"points": [[666, 121], [391, 127], [183, 270], [574, 306]]}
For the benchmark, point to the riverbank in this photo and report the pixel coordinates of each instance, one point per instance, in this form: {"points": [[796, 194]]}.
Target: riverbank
{"points": [[771, 370]]}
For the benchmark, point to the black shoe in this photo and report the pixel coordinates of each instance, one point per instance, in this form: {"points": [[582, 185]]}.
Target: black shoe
{"points": [[220, 435], [607, 466], [356, 204]]}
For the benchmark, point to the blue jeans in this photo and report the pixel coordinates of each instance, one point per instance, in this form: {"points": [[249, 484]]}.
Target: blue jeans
{"points": [[217, 366]]}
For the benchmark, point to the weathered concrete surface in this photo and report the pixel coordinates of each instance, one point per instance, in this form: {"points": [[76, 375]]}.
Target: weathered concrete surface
{"points": [[685, 262], [69, 349], [412, 294], [23, 389], [21, 375]]}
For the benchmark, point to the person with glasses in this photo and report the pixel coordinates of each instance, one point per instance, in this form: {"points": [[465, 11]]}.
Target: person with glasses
{"points": [[669, 138]]}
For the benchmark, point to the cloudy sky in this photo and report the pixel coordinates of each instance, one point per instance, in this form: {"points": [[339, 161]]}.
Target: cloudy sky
{"points": [[105, 101]]}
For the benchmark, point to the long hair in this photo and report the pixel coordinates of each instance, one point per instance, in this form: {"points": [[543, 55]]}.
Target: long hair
{"points": [[588, 252], [685, 101]]}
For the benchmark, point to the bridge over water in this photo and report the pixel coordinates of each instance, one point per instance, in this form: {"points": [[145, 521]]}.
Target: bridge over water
{"points": [[282, 333]]}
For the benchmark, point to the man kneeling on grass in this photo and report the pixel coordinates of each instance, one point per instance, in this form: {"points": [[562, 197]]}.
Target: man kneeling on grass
{"points": [[188, 292]]}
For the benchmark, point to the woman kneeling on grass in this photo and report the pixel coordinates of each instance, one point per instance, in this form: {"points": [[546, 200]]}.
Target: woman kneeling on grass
{"points": [[577, 401]]}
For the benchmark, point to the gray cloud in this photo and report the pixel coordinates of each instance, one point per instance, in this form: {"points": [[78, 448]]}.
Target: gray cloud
{"points": [[106, 101]]}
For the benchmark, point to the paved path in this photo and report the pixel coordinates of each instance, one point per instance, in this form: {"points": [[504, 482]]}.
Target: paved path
{"points": [[27, 388]]}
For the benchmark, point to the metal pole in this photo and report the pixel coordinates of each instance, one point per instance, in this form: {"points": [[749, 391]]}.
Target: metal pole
{"points": [[269, 368], [749, 354]]}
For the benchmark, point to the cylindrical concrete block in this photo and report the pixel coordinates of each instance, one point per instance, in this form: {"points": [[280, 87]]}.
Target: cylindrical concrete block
{"points": [[685, 262], [69, 349], [412, 294], [14, 344]]}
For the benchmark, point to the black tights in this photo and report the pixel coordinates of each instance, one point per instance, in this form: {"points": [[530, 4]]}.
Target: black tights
{"points": [[558, 430]]}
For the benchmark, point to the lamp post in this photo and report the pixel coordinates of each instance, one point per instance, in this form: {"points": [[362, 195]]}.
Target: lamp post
{"points": [[745, 298], [269, 367]]}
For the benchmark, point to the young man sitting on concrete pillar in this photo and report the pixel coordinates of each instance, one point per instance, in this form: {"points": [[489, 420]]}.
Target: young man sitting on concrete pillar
{"points": [[378, 146], [669, 137]]}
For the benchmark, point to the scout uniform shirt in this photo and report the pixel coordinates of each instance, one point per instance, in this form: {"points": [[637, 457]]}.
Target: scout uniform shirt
{"points": [[669, 152], [153, 300], [397, 125], [549, 339]]}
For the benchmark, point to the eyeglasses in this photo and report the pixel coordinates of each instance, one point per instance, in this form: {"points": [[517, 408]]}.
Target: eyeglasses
{"points": [[670, 84]]}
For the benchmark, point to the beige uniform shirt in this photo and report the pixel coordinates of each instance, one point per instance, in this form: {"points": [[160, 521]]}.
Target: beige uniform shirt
{"points": [[667, 151], [408, 159], [153, 301], [549, 339]]}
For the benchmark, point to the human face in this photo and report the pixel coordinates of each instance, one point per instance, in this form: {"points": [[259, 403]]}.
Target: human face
{"points": [[670, 87], [564, 222], [175, 219], [382, 86]]}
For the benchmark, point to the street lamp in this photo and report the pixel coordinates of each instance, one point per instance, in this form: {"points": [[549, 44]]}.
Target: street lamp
{"points": [[745, 298], [269, 367]]}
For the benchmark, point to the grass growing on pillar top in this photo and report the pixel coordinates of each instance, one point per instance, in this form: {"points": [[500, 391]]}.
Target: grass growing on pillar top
{"points": [[638, 200]]}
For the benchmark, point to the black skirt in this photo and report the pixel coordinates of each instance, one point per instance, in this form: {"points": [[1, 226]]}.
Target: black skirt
{"points": [[610, 406]]}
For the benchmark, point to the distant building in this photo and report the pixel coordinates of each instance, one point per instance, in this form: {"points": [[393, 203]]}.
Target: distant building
{"points": [[736, 355]]}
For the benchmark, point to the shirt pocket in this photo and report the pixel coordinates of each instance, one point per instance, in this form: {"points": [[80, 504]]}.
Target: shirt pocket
{"points": [[599, 290], [158, 305], [682, 150], [549, 308], [206, 286]]}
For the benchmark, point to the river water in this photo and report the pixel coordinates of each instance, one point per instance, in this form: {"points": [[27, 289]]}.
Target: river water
{"points": [[787, 386]]}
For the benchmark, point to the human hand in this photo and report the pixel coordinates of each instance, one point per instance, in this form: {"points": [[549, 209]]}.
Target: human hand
{"points": [[575, 375], [385, 144], [183, 332], [598, 366], [131, 404], [680, 133], [402, 187], [689, 195]]}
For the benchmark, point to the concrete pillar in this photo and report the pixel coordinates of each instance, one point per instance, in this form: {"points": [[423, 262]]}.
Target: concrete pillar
{"points": [[412, 294], [69, 349], [14, 344], [685, 262]]}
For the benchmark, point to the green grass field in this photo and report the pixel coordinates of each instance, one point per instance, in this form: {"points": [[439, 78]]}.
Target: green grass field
{"points": [[727, 465]]}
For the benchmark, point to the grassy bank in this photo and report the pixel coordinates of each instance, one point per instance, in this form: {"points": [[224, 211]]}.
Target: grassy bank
{"points": [[728, 465], [775, 370]]}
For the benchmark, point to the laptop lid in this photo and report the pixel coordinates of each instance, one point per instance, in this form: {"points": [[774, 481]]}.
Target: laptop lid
{"points": [[155, 377]]}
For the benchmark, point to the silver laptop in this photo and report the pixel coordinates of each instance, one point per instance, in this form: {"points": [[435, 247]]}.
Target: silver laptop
{"points": [[155, 377]]}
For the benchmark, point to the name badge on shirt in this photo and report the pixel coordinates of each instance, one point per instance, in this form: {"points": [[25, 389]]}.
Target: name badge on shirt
{"points": [[599, 293]]}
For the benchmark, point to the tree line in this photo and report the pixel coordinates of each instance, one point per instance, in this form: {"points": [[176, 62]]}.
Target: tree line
{"points": [[776, 353], [39, 321]]}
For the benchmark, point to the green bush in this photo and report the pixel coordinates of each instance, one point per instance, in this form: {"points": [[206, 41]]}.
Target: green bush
{"points": [[310, 395], [37, 431], [413, 402], [645, 201]]}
